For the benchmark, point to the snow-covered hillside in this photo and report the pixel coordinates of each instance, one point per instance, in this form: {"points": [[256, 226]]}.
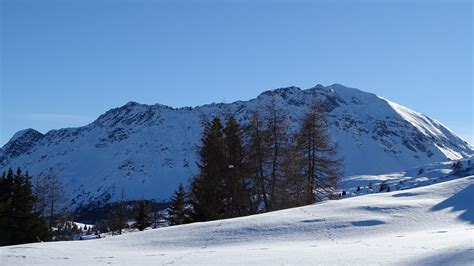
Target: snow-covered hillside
{"points": [[414, 177], [147, 150], [432, 224]]}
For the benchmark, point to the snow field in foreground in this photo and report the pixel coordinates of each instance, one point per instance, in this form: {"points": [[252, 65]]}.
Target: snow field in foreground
{"points": [[432, 224]]}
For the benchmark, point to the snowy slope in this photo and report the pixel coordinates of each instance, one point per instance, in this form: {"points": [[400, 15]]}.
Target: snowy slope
{"points": [[147, 150], [432, 224], [411, 178]]}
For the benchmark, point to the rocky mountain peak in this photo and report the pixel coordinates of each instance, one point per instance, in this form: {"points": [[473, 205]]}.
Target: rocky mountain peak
{"points": [[22, 142]]}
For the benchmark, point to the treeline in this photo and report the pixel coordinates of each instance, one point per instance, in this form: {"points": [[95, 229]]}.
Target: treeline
{"points": [[125, 215], [31, 213], [259, 167], [107, 217]]}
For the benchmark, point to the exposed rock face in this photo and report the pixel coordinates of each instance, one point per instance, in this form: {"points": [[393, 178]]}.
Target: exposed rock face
{"points": [[22, 142]]}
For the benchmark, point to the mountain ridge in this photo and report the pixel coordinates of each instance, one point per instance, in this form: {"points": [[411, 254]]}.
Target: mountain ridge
{"points": [[149, 149]]}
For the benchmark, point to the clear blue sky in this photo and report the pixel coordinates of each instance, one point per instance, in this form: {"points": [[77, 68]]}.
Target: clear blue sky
{"points": [[66, 62]]}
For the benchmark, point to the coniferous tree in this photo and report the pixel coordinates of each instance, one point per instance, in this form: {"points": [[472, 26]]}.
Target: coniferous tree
{"points": [[277, 143], [54, 194], [177, 210], [207, 189], [256, 159], [141, 218], [238, 200], [293, 189], [41, 194], [18, 223], [317, 156], [119, 217]]}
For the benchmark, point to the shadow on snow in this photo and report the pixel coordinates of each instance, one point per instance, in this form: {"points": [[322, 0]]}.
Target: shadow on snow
{"points": [[367, 223], [461, 201]]}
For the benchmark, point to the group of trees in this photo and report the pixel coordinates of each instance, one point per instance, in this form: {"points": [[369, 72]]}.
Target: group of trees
{"points": [[116, 217], [147, 213], [19, 222], [32, 213], [243, 169], [66, 229], [259, 167], [219, 190], [123, 212]]}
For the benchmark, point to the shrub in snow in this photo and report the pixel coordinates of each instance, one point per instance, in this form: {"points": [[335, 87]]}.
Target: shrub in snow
{"points": [[141, 218], [384, 187], [458, 168], [421, 171]]}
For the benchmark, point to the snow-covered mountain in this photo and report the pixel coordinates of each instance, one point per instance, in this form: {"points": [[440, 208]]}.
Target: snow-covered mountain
{"points": [[147, 150]]}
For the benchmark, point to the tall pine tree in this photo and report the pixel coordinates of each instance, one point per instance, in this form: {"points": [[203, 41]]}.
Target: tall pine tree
{"points": [[238, 198], [277, 143], [316, 156], [256, 159], [207, 188]]}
